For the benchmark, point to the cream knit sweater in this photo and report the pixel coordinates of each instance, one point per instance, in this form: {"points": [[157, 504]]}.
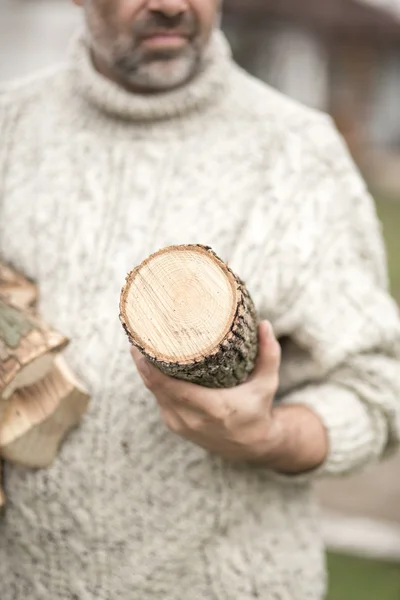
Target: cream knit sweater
{"points": [[92, 180]]}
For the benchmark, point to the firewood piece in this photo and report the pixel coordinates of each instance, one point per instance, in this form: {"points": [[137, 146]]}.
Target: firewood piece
{"points": [[16, 288], [190, 315], [27, 349], [39, 418]]}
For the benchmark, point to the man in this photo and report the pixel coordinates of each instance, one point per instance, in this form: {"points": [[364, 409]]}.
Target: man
{"points": [[151, 136]]}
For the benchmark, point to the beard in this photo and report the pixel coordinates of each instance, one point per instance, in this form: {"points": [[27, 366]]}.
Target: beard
{"points": [[135, 66], [159, 70]]}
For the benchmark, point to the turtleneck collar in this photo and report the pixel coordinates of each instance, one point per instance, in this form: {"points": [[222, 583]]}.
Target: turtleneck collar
{"points": [[205, 89]]}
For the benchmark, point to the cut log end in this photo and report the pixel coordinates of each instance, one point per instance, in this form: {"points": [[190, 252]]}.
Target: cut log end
{"points": [[29, 373], [179, 304], [39, 418], [188, 313]]}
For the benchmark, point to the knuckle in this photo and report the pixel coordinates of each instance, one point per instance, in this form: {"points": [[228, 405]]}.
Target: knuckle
{"points": [[195, 424], [175, 427], [222, 408], [249, 437], [150, 381], [190, 421], [169, 421], [241, 439], [221, 413], [184, 397], [265, 388]]}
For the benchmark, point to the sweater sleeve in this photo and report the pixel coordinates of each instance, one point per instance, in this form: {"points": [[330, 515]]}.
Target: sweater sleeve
{"points": [[346, 323]]}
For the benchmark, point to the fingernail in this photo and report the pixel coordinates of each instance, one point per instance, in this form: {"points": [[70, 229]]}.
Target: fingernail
{"points": [[267, 328]]}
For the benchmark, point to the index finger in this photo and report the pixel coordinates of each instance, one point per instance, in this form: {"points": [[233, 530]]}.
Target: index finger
{"points": [[198, 397]]}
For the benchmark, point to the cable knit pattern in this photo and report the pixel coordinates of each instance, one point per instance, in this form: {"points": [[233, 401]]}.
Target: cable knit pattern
{"points": [[93, 180]]}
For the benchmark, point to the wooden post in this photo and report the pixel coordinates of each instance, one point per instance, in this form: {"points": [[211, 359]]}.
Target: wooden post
{"points": [[190, 315]]}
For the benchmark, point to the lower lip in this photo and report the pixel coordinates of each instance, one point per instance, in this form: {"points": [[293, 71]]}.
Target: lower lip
{"points": [[165, 41]]}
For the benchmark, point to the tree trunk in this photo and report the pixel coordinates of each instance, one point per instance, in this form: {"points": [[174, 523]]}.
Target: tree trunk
{"points": [[40, 416], [190, 315], [27, 349]]}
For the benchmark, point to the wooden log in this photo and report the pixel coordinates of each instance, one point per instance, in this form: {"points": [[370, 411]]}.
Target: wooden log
{"points": [[17, 289], [40, 416], [27, 349], [191, 316], [44, 401]]}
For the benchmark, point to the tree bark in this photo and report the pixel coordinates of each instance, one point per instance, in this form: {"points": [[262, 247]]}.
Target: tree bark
{"points": [[40, 416], [191, 316], [16, 289], [40, 399], [27, 348]]}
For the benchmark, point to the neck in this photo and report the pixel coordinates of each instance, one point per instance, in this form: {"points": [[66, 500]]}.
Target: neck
{"points": [[98, 85]]}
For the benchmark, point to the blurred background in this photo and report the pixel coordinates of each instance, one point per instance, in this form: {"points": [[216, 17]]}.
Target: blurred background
{"points": [[342, 57]]}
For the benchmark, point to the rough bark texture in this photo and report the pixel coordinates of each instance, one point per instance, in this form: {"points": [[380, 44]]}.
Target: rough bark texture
{"points": [[16, 289], [27, 348], [40, 416], [232, 361]]}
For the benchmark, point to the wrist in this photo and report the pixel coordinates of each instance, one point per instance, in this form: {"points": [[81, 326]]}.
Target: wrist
{"points": [[297, 441]]}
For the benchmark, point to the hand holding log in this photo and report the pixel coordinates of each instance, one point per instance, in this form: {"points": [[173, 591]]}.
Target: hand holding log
{"points": [[191, 316]]}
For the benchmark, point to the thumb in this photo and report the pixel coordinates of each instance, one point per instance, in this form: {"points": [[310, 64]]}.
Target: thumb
{"points": [[269, 354]]}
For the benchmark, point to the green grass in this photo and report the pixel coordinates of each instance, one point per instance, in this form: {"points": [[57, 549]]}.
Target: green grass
{"points": [[353, 578], [389, 214]]}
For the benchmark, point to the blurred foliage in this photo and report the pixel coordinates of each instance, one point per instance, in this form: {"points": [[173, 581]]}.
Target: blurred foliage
{"points": [[353, 578], [389, 214]]}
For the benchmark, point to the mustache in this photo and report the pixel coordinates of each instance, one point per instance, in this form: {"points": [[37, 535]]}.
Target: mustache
{"points": [[185, 24]]}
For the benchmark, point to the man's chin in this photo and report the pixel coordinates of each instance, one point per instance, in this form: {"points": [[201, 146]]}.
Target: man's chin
{"points": [[162, 73]]}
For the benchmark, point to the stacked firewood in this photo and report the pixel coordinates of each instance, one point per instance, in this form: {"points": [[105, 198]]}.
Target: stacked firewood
{"points": [[40, 398]]}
